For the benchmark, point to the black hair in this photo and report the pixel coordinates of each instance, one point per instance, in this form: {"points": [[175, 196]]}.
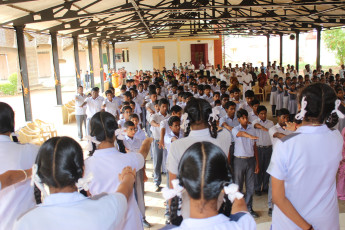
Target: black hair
{"points": [[133, 115], [173, 119], [217, 102], [123, 87], [200, 87], [249, 93], [132, 103], [320, 99], [283, 112], [187, 95], [153, 93], [60, 163], [96, 89], [108, 92], [176, 109], [6, 118], [228, 104], [216, 93], [180, 88], [223, 86], [255, 102], [261, 108], [128, 94], [125, 103], [163, 101], [207, 87], [241, 112], [203, 171], [224, 96], [199, 110], [237, 90], [128, 124], [124, 108], [103, 126]]}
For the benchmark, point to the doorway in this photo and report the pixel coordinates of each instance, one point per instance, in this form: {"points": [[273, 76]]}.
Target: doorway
{"points": [[199, 52], [158, 56]]}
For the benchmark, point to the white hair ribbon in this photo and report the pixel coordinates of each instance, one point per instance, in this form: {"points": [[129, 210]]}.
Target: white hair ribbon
{"points": [[301, 114], [36, 180], [90, 141], [214, 114], [175, 191], [83, 183], [336, 109], [120, 134], [185, 121], [232, 191]]}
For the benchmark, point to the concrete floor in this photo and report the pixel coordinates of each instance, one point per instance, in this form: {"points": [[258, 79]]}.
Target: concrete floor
{"points": [[44, 107]]}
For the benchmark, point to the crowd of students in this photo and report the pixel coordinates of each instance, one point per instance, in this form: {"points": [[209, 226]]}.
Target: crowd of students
{"points": [[211, 145]]}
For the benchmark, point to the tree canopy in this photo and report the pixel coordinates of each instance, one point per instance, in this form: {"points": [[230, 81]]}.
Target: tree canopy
{"points": [[335, 41]]}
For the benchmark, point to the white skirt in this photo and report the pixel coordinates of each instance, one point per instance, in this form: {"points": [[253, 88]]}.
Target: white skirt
{"points": [[285, 102], [273, 98], [292, 106], [279, 101]]}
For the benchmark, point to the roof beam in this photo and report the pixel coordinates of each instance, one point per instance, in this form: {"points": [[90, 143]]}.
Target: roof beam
{"points": [[137, 9], [7, 2]]}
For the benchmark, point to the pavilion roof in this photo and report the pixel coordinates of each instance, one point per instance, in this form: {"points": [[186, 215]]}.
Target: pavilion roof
{"points": [[123, 20]]}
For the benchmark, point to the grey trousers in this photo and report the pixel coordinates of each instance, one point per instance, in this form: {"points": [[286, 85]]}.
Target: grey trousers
{"points": [[157, 163], [139, 191], [80, 120], [244, 173], [269, 199], [262, 178], [232, 157], [88, 126]]}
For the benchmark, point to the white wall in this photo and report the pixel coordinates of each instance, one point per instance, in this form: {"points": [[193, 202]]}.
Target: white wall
{"points": [[140, 52]]}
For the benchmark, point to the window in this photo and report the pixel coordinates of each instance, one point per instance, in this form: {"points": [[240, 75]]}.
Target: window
{"points": [[125, 55]]}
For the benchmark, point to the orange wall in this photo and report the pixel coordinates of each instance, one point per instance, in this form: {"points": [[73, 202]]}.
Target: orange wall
{"points": [[218, 55]]}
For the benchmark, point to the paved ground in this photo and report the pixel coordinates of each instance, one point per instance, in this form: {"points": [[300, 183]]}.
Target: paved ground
{"points": [[44, 107]]}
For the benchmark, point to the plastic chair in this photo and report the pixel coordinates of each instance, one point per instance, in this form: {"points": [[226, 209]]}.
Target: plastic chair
{"points": [[257, 91], [267, 90], [47, 127]]}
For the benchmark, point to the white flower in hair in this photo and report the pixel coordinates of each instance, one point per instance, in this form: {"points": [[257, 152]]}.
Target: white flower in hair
{"points": [[232, 191], [301, 114], [120, 134], [90, 141], [83, 183], [36, 180], [336, 109], [184, 119], [214, 115], [175, 191]]}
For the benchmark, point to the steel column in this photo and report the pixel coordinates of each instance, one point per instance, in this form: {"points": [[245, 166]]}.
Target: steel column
{"points": [[297, 52], [281, 50], [114, 56], [76, 61], [318, 46], [108, 57], [101, 63], [268, 48], [56, 68], [24, 72], [89, 46]]}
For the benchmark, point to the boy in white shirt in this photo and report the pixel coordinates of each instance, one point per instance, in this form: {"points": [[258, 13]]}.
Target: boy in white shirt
{"points": [[158, 151], [110, 105], [207, 94], [126, 111], [249, 95], [80, 112], [150, 110], [133, 144], [264, 146], [93, 106], [253, 115]]}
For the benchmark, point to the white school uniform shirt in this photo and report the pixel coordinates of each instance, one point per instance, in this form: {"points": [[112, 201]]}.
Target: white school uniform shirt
{"points": [[215, 88], [93, 106], [231, 122], [156, 131], [178, 148], [277, 129], [79, 100], [305, 72], [18, 198], [246, 106], [264, 137], [307, 161], [106, 165], [70, 211], [238, 221], [140, 134], [208, 98], [222, 112], [151, 106], [132, 144], [201, 67], [252, 117], [342, 73], [111, 106], [244, 147], [169, 136]]}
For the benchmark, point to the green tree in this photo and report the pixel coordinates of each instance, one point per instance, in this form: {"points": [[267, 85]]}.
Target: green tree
{"points": [[335, 41]]}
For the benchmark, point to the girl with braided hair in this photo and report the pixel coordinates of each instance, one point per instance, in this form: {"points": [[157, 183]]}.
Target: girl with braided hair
{"points": [[201, 125], [204, 175]]}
